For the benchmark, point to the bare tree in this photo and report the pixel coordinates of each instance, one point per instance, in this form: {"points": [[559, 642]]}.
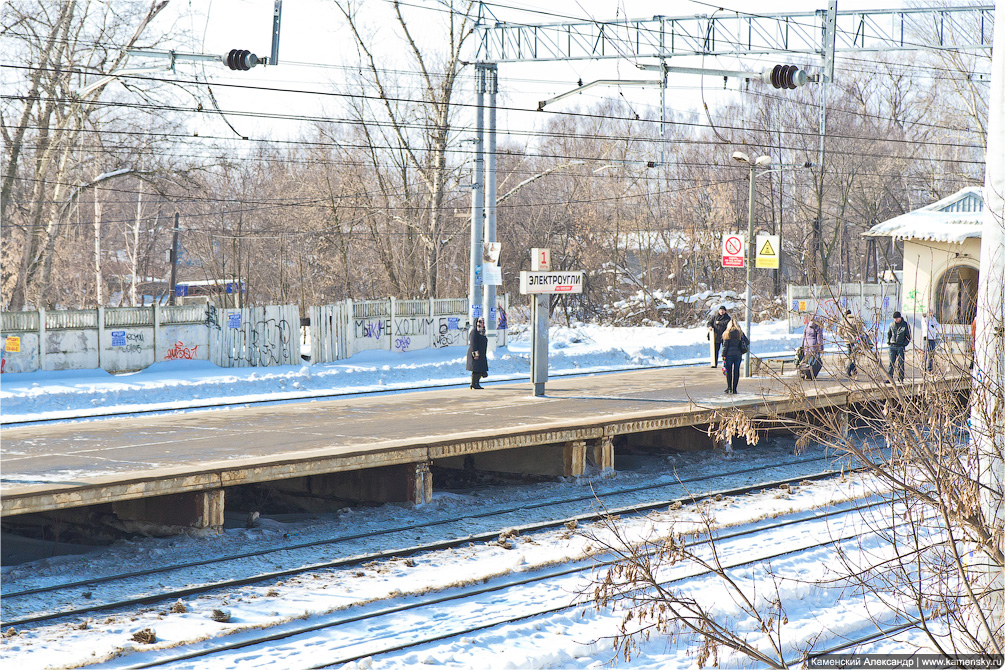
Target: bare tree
{"points": [[915, 442], [62, 46], [410, 142]]}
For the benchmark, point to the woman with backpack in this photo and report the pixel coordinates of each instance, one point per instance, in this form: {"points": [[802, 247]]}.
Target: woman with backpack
{"points": [[734, 345]]}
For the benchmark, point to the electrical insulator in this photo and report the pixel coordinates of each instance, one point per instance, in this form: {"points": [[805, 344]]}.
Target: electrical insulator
{"points": [[787, 76], [241, 59]]}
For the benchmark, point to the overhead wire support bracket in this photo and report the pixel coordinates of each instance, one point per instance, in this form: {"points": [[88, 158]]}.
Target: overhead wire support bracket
{"points": [[599, 82]]}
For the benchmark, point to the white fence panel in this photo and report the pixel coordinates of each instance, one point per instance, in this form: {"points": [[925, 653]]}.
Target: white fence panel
{"points": [[132, 338], [19, 351], [371, 326], [330, 329], [256, 337], [450, 323], [874, 304], [411, 325], [183, 342]]}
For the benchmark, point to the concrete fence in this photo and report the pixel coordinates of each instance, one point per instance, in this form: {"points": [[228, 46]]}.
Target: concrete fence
{"points": [[132, 338], [873, 303], [347, 328]]}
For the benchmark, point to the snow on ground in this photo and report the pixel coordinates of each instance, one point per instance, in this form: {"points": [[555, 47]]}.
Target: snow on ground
{"points": [[575, 638], [179, 384], [578, 637]]}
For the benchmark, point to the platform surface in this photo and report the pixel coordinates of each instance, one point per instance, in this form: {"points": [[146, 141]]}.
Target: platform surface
{"points": [[72, 464]]}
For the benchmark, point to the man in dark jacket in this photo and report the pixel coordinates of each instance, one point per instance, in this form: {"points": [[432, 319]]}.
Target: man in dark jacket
{"points": [[898, 336], [477, 363], [716, 327]]}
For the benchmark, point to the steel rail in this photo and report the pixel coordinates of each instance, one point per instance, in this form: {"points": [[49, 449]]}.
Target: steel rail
{"points": [[541, 576], [382, 555]]}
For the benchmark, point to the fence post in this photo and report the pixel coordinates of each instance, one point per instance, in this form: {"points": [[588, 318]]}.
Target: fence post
{"points": [[41, 339], [350, 331], [314, 315], [157, 326], [101, 331], [390, 330], [788, 307]]}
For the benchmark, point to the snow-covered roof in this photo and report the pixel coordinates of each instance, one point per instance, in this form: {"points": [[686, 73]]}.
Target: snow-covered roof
{"points": [[952, 219]]}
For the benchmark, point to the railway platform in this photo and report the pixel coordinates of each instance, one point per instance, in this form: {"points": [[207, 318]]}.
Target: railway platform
{"points": [[175, 470]]}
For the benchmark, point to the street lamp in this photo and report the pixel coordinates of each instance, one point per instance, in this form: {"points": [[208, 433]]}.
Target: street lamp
{"points": [[760, 161]]}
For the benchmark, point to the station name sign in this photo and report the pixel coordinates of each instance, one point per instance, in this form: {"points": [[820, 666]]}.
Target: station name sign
{"points": [[551, 282]]}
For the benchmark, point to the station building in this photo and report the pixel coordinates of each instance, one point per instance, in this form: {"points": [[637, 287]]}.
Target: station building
{"points": [[942, 251]]}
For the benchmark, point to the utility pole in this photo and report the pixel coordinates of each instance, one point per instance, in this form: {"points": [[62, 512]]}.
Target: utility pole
{"points": [[492, 84], [475, 284], [99, 295], [174, 261]]}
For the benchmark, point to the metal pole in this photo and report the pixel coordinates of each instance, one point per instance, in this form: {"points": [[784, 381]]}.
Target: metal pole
{"points": [[174, 261], [539, 342], [492, 77], [663, 112], [749, 260], [477, 200]]}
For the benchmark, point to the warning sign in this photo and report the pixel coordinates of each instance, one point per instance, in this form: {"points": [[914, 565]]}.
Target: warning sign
{"points": [[732, 250], [768, 248]]}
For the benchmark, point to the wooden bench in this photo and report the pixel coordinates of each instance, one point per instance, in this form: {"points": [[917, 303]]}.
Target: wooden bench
{"points": [[768, 365]]}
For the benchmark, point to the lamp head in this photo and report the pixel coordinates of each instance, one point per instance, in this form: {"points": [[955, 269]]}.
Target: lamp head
{"points": [[740, 156], [763, 161]]}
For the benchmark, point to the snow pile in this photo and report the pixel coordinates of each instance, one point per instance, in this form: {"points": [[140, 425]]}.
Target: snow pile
{"points": [[666, 308], [181, 384]]}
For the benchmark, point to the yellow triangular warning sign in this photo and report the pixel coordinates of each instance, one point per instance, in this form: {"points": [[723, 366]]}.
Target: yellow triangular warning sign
{"points": [[766, 249]]}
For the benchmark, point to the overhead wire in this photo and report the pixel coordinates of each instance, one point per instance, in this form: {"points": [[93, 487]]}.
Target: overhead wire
{"points": [[322, 119]]}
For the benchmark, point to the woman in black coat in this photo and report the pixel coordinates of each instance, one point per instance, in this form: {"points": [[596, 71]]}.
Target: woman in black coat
{"points": [[477, 363], [732, 354]]}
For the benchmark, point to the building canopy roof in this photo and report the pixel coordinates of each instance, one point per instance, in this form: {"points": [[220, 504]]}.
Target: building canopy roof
{"points": [[952, 219]]}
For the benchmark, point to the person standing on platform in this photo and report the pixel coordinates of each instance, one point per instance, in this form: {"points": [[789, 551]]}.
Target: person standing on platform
{"points": [[931, 333], [813, 337], [477, 362], [716, 327], [898, 336], [732, 354], [852, 332]]}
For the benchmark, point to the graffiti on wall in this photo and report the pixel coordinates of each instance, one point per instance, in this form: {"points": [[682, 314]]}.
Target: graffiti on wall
{"points": [[371, 329], [260, 344], [212, 320], [130, 343], [411, 331], [179, 352], [915, 303], [448, 333]]}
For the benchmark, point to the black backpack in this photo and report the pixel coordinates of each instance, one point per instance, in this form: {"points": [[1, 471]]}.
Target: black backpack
{"points": [[744, 344]]}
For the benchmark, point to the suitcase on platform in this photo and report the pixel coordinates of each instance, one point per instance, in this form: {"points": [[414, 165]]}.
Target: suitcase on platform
{"points": [[809, 367]]}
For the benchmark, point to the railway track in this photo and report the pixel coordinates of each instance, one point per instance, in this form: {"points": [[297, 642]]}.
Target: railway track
{"points": [[34, 613], [344, 637]]}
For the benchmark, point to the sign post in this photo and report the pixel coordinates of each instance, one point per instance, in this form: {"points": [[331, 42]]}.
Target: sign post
{"points": [[541, 284]]}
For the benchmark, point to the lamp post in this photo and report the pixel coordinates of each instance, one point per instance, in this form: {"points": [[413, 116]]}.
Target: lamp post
{"points": [[760, 161]]}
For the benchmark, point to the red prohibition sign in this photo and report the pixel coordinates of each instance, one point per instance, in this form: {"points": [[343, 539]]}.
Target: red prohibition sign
{"points": [[733, 245]]}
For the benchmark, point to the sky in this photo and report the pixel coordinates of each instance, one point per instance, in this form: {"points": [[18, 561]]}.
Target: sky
{"points": [[317, 53]]}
